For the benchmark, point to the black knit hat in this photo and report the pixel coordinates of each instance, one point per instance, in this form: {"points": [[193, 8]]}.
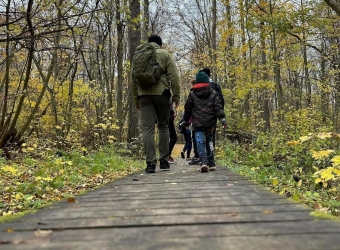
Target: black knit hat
{"points": [[207, 71], [202, 77], [155, 39]]}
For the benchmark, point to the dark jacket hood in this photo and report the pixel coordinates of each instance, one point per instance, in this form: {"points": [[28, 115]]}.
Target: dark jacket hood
{"points": [[202, 90]]}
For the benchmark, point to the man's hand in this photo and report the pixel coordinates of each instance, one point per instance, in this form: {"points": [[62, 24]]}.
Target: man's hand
{"points": [[175, 105]]}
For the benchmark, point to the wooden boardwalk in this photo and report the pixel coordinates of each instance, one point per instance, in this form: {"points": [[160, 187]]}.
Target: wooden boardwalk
{"points": [[176, 209]]}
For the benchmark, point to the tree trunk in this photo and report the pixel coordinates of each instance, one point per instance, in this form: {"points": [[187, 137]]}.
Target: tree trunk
{"points": [[213, 40], [265, 94], [335, 5], [120, 55], [134, 38]]}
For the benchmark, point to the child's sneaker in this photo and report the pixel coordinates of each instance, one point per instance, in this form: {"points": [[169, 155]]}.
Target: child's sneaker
{"points": [[164, 164], [182, 155], [171, 160], [212, 167], [204, 168]]}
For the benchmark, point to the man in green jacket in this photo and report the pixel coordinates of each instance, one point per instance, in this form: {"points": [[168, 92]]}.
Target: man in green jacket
{"points": [[154, 103]]}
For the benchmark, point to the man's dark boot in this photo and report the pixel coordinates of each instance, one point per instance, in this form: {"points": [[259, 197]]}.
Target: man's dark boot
{"points": [[164, 164], [150, 168]]}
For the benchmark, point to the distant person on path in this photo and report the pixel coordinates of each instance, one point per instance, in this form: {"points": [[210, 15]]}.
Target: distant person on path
{"points": [[186, 131], [154, 101], [172, 133], [204, 106]]}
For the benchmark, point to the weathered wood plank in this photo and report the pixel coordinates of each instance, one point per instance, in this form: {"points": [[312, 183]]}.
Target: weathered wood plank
{"points": [[149, 242], [84, 212], [163, 220]]}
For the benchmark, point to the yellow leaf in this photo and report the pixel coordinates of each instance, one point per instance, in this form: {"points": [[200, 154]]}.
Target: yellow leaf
{"points": [[326, 174], [324, 135], [321, 154], [275, 182], [336, 160], [293, 143], [10, 169], [267, 211], [299, 183], [304, 138], [58, 161], [18, 196], [318, 180], [43, 232], [7, 213], [29, 198], [71, 200], [30, 149]]}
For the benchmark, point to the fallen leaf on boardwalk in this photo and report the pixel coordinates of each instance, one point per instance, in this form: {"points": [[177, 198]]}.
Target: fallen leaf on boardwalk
{"points": [[229, 185], [43, 232], [173, 183], [267, 211], [233, 214], [9, 230], [317, 206], [71, 199], [166, 180]]}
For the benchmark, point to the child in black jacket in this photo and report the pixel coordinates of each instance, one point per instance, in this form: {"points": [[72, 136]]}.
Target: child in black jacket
{"points": [[204, 106]]}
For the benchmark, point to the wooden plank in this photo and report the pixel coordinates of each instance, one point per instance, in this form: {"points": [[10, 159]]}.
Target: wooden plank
{"points": [[148, 242], [163, 220], [84, 212], [183, 231]]}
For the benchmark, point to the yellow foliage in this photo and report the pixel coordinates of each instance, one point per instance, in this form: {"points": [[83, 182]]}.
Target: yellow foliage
{"points": [[304, 138], [317, 155], [299, 183], [275, 182], [10, 169], [293, 143], [38, 178], [318, 180], [58, 161], [336, 160], [324, 135], [326, 174]]}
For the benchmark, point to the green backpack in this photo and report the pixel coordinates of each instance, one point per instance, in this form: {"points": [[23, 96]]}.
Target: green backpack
{"points": [[146, 70]]}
